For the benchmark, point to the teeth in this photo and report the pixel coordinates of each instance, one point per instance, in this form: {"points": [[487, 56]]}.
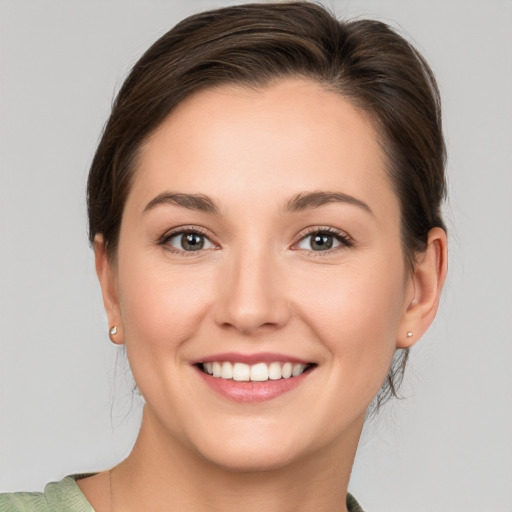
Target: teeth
{"points": [[274, 371], [241, 372], [298, 369], [216, 369], [259, 372], [227, 370], [286, 370]]}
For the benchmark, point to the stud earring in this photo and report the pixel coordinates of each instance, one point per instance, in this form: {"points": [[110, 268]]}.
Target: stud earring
{"points": [[113, 330], [409, 334]]}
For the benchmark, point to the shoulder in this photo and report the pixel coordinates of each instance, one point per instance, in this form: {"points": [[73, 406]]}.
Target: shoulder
{"points": [[63, 496], [23, 502]]}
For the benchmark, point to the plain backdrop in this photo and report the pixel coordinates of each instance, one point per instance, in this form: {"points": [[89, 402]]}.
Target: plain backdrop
{"points": [[67, 406]]}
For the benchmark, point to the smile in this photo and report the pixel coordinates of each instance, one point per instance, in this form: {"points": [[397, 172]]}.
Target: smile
{"points": [[253, 378], [259, 372]]}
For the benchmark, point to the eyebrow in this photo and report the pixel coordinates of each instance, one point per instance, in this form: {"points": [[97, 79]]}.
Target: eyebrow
{"points": [[307, 200], [191, 201], [298, 203]]}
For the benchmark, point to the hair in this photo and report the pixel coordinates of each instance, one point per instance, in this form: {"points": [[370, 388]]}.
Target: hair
{"points": [[255, 45]]}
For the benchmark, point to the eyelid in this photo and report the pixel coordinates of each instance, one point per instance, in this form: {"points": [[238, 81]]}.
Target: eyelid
{"points": [[180, 230], [345, 239]]}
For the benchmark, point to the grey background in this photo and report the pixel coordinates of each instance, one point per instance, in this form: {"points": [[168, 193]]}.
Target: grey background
{"points": [[66, 405]]}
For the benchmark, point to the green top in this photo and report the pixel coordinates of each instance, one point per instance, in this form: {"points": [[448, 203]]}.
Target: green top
{"points": [[66, 496], [63, 496]]}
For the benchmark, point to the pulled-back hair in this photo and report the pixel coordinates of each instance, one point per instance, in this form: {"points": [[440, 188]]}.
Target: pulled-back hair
{"points": [[255, 45]]}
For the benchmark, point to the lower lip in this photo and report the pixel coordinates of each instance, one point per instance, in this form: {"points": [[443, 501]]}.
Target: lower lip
{"points": [[252, 392]]}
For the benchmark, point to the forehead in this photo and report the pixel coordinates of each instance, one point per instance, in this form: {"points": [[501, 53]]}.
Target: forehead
{"points": [[279, 140]]}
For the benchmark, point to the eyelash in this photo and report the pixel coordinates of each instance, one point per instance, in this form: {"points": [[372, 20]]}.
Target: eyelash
{"points": [[344, 240], [164, 240]]}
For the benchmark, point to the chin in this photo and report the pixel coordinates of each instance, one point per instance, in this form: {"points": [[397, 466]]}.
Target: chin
{"points": [[255, 449], [251, 460]]}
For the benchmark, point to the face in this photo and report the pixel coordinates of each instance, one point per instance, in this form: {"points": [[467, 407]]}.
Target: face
{"points": [[261, 238]]}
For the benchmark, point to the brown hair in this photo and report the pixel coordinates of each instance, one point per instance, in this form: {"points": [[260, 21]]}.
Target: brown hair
{"points": [[255, 45]]}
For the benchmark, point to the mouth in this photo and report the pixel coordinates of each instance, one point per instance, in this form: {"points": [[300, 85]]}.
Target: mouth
{"points": [[253, 378], [259, 372]]}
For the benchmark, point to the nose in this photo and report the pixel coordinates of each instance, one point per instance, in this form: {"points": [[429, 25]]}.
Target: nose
{"points": [[251, 294]]}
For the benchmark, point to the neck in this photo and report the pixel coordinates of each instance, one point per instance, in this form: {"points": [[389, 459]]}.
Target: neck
{"points": [[168, 475]]}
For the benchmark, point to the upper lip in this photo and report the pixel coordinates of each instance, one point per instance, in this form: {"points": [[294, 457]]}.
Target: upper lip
{"points": [[260, 357]]}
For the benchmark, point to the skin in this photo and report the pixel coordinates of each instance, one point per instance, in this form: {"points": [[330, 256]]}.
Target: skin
{"points": [[258, 286]]}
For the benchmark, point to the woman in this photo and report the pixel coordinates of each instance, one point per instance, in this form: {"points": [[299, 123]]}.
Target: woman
{"points": [[264, 209]]}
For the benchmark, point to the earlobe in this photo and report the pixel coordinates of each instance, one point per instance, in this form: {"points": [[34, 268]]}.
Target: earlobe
{"points": [[428, 278], [107, 279]]}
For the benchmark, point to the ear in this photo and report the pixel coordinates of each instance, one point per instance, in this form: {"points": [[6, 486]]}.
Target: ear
{"points": [[424, 290], [106, 273]]}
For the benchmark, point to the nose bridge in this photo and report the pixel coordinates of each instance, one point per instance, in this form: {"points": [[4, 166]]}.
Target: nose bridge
{"points": [[252, 296]]}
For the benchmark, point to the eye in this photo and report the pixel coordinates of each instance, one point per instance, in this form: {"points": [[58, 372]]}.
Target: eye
{"points": [[187, 241], [324, 240]]}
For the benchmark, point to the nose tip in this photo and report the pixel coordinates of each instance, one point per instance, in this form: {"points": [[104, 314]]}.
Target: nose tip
{"points": [[252, 298], [248, 318]]}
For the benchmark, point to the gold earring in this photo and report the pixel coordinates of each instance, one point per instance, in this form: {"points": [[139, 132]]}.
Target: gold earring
{"points": [[409, 334]]}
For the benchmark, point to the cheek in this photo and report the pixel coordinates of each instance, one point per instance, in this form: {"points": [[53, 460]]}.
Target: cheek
{"points": [[355, 314], [357, 298], [161, 307]]}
